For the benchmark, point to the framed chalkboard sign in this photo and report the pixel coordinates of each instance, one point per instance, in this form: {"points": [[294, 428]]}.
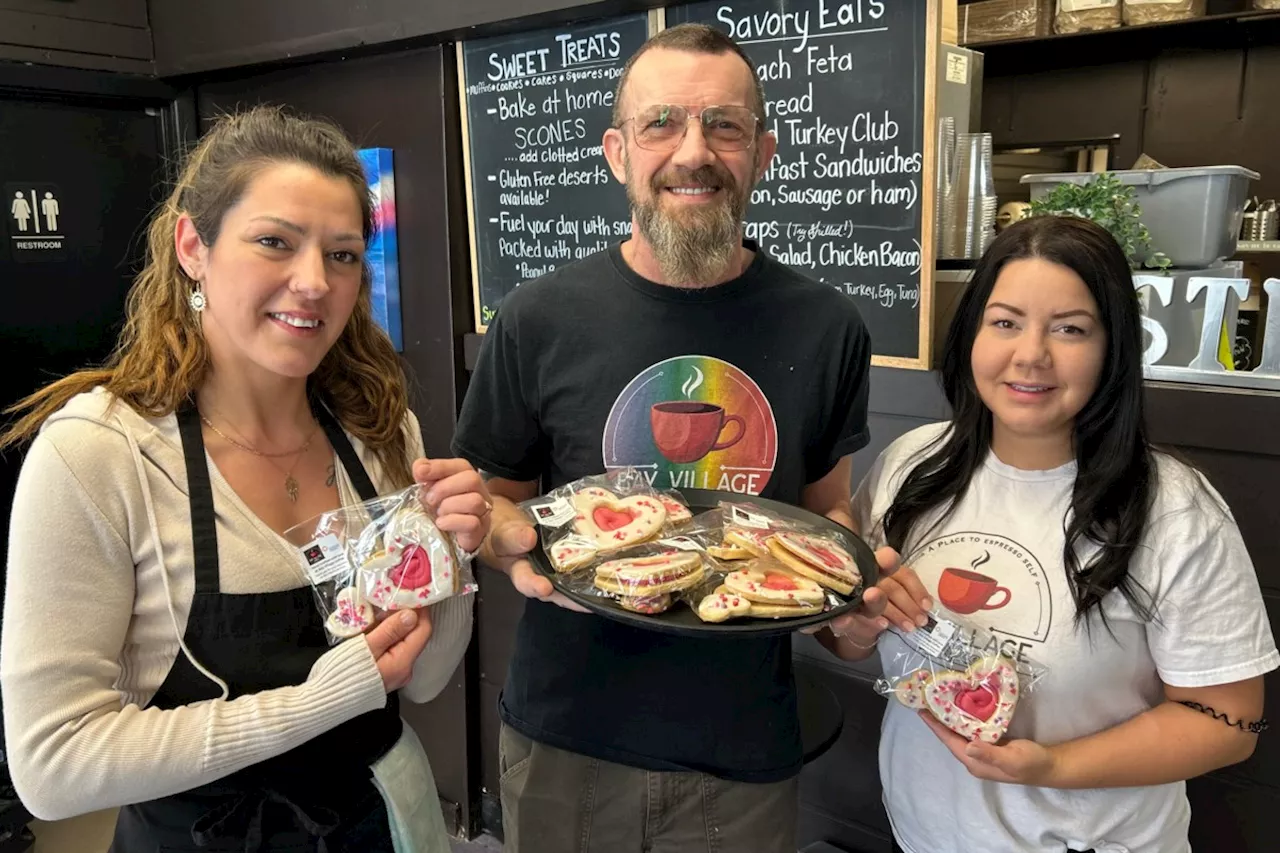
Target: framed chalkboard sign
{"points": [[535, 108], [849, 88]]}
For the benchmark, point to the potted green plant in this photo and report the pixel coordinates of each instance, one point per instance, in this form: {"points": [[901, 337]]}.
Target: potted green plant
{"points": [[1112, 205]]}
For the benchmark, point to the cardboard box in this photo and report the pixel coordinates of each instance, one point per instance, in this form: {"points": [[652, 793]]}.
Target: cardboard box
{"points": [[997, 20]]}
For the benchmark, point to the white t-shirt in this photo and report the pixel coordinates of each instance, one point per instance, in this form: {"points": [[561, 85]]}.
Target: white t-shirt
{"points": [[1000, 557]]}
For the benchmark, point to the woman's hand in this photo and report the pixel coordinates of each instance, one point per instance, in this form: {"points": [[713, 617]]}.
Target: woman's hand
{"points": [[455, 492], [899, 599], [396, 643], [1018, 762]]}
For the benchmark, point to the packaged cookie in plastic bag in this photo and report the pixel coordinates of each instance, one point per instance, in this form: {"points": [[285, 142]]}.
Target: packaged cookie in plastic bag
{"points": [[1078, 16], [1139, 12], [777, 567], [587, 520], [378, 556], [961, 675], [763, 588], [821, 554], [653, 577]]}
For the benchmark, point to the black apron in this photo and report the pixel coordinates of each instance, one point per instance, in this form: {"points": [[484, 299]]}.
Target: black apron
{"points": [[319, 797]]}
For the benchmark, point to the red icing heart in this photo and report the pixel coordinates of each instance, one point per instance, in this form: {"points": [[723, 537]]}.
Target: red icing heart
{"points": [[979, 702], [827, 557], [414, 569], [774, 580], [609, 519]]}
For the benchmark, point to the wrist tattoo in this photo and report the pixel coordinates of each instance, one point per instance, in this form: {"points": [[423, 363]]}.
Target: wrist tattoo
{"points": [[1254, 728]]}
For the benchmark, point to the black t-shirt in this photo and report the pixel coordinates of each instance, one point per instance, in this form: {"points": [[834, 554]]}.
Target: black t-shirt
{"points": [[757, 385]]}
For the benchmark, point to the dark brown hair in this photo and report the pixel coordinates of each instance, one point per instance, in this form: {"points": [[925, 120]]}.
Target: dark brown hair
{"points": [[1116, 468]]}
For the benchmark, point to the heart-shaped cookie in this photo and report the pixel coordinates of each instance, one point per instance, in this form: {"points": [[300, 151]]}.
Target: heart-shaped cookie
{"points": [[978, 703], [729, 553], [764, 583], [416, 567], [910, 690], [614, 523], [649, 576], [823, 560], [677, 512], [572, 552], [350, 616], [725, 604], [753, 541], [721, 606]]}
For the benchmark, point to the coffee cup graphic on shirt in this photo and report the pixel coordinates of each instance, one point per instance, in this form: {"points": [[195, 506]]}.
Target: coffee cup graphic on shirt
{"points": [[685, 431], [965, 591]]}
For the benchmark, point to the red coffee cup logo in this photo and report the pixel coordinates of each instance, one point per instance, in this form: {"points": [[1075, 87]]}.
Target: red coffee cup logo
{"points": [[964, 591], [687, 431]]}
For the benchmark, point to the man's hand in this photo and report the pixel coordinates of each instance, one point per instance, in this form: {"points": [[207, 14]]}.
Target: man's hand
{"points": [[506, 548], [510, 539]]}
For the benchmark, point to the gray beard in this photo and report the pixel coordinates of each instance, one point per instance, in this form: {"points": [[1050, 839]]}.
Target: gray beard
{"points": [[696, 248]]}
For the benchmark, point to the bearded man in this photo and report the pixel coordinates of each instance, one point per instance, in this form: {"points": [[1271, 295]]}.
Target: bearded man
{"points": [[689, 354]]}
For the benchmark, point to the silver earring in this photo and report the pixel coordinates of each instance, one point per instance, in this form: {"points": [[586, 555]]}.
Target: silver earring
{"points": [[197, 299]]}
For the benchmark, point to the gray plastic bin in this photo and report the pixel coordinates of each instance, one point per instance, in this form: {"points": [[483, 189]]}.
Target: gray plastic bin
{"points": [[1194, 215]]}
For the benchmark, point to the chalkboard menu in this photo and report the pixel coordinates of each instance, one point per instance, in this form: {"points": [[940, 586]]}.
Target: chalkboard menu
{"points": [[849, 92], [539, 192]]}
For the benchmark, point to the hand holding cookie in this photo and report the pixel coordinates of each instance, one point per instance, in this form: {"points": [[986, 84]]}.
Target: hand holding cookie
{"points": [[455, 493], [853, 635], [1018, 762], [506, 547]]}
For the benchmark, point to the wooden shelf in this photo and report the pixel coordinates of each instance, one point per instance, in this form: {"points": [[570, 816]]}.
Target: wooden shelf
{"points": [[1251, 247], [1009, 56]]}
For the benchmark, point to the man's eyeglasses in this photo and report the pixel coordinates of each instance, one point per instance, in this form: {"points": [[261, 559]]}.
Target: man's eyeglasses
{"points": [[662, 127]]}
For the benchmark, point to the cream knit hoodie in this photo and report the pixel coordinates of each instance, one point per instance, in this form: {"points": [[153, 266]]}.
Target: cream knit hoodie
{"points": [[98, 592]]}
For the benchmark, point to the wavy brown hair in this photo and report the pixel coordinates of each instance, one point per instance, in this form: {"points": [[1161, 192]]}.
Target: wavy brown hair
{"points": [[161, 357]]}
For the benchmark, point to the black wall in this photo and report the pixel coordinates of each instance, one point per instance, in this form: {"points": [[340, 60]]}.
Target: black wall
{"points": [[112, 35], [200, 36]]}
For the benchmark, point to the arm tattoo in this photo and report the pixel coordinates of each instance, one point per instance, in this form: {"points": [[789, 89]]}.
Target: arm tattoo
{"points": [[1255, 728]]}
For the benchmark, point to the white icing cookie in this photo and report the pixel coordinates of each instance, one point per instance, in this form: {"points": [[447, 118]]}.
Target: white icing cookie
{"points": [[819, 559], [348, 618], [978, 703], [416, 567], [729, 552], [649, 576], [910, 690], [614, 523], [677, 512], [721, 606], [572, 552], [784, 611], [766, 584], [753, 541]]}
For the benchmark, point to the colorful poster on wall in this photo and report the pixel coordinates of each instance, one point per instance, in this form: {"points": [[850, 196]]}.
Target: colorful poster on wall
{"points": [[382, 253]]}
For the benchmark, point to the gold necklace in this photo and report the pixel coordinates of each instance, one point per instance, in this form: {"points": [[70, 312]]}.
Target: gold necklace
{"points": [[290, 484]]}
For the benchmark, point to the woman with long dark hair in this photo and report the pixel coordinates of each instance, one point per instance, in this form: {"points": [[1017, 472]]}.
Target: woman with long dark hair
{"points": [[1042, 513]]}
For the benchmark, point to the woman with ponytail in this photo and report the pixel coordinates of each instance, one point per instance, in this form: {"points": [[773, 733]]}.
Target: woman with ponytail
{"points": [[1041, 513], [161, 648]]}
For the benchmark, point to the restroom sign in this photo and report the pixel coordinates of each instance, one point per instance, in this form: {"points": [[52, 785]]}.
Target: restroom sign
{"points": [[35, 220]]}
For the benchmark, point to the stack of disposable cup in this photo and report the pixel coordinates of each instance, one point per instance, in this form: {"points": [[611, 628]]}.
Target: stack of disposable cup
{"points": [[943, 210], [972, 224]]}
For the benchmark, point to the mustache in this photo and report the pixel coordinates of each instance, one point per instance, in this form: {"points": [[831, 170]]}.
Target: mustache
{"points": [[703, 176]]}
